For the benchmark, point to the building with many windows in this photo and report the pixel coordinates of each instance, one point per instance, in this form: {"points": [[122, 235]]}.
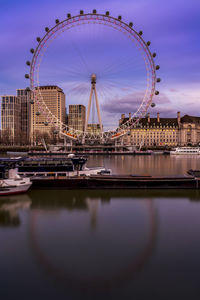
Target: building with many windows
{"points": [[76, 117], [94, 128], [11, 120], [24, 96], [162, 132], [54, 98]]}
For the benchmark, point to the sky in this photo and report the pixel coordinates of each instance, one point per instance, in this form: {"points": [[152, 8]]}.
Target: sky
{"points": [[172, 26]]}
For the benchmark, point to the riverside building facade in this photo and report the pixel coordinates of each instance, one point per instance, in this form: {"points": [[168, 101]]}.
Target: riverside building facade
{"points": [[162, 132], [54, 98]]}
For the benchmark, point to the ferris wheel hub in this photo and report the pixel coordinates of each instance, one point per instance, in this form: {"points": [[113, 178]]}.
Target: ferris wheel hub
{"points": [[93, 78]]}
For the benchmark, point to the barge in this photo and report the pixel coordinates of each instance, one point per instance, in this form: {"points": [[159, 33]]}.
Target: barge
{"points": [[116, 182]]}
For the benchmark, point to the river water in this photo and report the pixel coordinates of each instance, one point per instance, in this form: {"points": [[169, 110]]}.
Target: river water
{"points": [[104, 244]]}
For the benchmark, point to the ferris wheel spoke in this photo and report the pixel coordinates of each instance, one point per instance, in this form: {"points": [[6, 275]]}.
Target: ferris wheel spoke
{"points": [[115, 67]]}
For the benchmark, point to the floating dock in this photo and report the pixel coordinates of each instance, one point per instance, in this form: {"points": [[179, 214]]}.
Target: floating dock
{"points": [[116, 182]]}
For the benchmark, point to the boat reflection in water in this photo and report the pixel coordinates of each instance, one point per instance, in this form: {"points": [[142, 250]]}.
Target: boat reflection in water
{"points": [[9, 209]]}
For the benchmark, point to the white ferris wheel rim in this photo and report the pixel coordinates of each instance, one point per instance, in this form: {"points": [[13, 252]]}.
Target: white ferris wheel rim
{"points": [[78, 20]]}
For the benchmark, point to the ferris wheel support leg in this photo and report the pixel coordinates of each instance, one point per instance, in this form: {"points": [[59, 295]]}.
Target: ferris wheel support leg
{"points": [[88, 110], [98, 110]]}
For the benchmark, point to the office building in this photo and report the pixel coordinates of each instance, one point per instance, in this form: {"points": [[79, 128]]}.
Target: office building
{"points": [[54, 98], [25, 96], [76, 117], [94, 128], [11, 120]]}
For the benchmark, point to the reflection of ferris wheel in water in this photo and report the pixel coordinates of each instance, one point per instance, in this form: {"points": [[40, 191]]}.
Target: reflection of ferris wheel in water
{"points": [[150, 77]]}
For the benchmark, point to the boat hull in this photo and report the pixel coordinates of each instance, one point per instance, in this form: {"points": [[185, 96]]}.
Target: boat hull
{"points": [[117, 182], [14, 187]]}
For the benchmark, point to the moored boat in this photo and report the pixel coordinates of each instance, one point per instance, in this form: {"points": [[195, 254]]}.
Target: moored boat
{"points": [[11, 183], [186, 150], [50, 166]]}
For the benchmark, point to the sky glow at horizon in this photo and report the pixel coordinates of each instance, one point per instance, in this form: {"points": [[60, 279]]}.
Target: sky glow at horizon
{"points": [[172, 27]]}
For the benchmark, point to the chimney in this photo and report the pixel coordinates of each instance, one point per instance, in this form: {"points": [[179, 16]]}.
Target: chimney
{"points": [[179, 117], [158, 117], [148, 116], [129, 116]]}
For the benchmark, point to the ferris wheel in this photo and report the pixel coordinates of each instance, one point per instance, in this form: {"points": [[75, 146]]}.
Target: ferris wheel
{"points": [[145, 56]]}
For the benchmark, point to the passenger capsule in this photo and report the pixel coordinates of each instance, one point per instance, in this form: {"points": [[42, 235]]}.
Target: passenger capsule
{"points": [[31, 101], [27, 76], [28, 89], [57, 21], [148, 43], [46, 123], [28, 63], [107, 13], [46, 29], [94, 11], [157, 67], [38, 39], [140, 32], [37, 113], [69, 16], [158, 80], [154, 54], [119, 17], [153, 105], [32, 50], [81, 12], [55, 131], [130, 24], [156, 92]]}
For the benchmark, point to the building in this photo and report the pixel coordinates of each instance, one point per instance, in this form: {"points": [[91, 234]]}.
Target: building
{"points": [[54, 98], [94, 128], [24, 96], [76, 117], [11, 120], [190, 130], [162, 132]]}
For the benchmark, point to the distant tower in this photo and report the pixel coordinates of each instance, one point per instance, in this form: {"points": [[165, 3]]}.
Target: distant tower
{"points": [[93, 90]]}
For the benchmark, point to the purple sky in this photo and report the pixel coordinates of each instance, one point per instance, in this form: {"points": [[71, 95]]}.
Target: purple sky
{"points": [[172, 26]]}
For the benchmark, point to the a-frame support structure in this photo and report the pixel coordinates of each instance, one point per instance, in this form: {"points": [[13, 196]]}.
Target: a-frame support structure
{"points": [[93, 90]]}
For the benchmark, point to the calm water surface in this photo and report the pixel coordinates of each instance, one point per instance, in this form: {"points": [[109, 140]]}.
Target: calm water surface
{"points": [[112, 244]]}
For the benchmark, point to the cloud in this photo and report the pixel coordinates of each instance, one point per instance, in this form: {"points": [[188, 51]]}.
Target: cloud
{"points": [[130, 103]]}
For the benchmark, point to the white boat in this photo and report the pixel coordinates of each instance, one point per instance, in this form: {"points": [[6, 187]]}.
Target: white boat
{"points": [[14, 184], [186, 150]]}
